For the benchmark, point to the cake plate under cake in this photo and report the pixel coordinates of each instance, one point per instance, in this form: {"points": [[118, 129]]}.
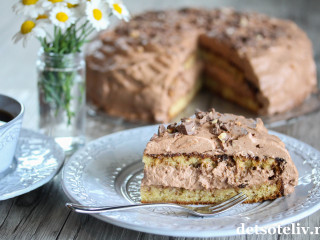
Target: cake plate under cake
{"points": [[108, 171]]}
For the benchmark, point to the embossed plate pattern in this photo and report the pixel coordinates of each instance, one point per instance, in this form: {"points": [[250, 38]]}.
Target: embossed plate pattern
{"points": [[37, 159], [107, 172]]}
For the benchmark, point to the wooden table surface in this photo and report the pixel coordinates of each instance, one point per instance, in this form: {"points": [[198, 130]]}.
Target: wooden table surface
{"points": [[41, 214]]}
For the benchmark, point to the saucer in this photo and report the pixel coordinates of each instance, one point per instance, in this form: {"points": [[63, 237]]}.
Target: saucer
{"points": [[37, 160]]}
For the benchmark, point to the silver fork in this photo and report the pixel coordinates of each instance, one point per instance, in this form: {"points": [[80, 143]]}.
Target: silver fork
{"points": [[201, 211]]}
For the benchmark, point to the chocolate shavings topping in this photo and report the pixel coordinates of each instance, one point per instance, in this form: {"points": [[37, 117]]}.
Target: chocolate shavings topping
{"points": [[161, 130], [187, 126]]}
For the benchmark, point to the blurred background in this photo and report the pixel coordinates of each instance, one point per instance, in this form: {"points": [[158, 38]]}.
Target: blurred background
{"points": [[17, 64]]}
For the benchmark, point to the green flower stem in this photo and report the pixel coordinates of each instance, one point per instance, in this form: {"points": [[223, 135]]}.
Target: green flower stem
{"points": [[56, 87], [55, 83]]}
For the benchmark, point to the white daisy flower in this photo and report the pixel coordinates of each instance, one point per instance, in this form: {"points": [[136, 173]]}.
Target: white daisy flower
{"points": [[74, 5], [78, 7], [43, 19], [29, 28], [119, 9], [31, 8], [48, 4], [62, 17], [98, 14], [71, 5], [55, 1], [74, 2]]}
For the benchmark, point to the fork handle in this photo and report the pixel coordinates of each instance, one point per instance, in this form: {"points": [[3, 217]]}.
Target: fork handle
{"points": [[89, 209]]}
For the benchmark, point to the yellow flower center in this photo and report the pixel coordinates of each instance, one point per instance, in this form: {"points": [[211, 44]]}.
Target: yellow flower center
{"points": [[97, 14], [62, 17], [42, 16], [117, 8], [55, 1], [29, 2], [70, 5], [27, 26]]}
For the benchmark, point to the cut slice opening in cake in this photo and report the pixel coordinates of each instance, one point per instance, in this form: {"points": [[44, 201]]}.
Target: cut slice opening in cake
{"points": [[227, 78]]}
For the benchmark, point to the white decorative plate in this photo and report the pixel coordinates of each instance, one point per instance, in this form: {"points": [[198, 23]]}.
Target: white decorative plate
{"points": [[108, 171], [37, 160]]}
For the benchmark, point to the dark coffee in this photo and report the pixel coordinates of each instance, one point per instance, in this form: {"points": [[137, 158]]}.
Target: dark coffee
{"points": [[5, 117]]}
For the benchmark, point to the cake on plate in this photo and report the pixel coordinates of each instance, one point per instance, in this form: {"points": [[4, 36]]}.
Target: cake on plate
{"points": [[150, 68], [214, 156]]}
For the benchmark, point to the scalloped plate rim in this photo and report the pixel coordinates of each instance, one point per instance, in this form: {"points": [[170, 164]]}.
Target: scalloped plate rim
{"points": [[42, 181]]}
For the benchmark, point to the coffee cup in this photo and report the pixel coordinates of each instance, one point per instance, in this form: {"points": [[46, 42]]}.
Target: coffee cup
{"points": [[11, 115]]}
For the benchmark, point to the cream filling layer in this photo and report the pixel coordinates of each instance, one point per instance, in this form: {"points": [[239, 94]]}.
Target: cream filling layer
{"points": [[205, 177]]}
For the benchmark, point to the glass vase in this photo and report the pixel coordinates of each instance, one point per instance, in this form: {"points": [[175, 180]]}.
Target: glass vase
{"points": [[62, 103]]}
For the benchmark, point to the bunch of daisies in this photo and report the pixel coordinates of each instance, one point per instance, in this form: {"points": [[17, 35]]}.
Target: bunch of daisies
{"points": [[70, 21]]}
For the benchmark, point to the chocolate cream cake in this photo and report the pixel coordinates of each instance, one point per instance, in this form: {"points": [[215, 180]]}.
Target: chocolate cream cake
{"points": [[150, 68], [214, 156]]}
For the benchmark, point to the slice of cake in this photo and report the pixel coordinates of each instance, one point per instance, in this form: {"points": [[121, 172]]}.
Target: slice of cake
{"points": [[214, 156]]}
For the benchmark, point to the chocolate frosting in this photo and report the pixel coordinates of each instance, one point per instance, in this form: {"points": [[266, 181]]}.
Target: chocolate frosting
{"points": [[217, 134], [138, 70]]}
